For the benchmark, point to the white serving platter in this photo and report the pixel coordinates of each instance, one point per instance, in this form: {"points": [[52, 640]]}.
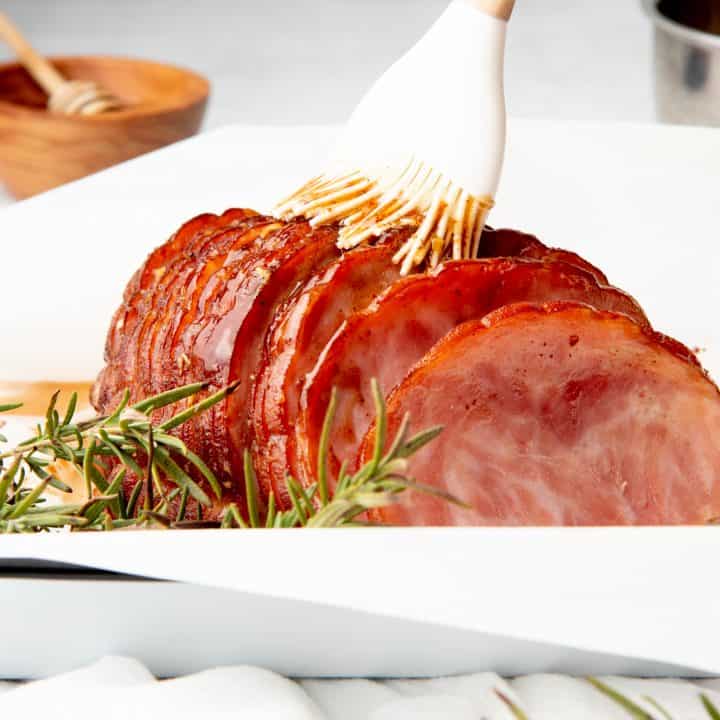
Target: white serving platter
{"points": [[381, 602], [640, 201]]}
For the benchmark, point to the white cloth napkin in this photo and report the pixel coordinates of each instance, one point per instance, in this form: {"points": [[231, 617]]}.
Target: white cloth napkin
{"points": [[118, 687]]}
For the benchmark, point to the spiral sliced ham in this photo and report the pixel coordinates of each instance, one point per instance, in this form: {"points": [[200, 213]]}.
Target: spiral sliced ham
{"points": [[277, 308], [560, 415], [385, 340]]}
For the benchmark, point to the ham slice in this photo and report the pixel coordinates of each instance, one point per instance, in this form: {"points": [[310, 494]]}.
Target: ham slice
{"points": [[296, 340], [560, 414], [503, 242], [386, 339]]}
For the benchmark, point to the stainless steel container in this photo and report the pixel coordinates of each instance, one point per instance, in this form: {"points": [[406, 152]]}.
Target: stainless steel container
{"points": [[687, 63]]}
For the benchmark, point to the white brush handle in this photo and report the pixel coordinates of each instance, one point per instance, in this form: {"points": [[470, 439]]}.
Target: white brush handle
{"points": [[500, 9], [443, 103]]}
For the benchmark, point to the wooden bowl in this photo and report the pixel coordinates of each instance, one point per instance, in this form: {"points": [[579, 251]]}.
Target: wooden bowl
{"points": [[40, 150]]}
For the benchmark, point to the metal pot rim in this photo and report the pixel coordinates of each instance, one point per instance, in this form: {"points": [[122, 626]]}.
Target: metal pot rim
{"points": [[695, 37]]}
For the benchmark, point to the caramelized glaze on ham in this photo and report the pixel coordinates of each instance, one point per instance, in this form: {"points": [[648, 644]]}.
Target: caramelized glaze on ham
{"points": [[243, 297]]}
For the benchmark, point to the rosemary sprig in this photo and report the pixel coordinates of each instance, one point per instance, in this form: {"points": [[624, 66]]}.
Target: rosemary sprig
{"points": [[635, 711], [133, 444], [632, 709], [710, 708], [82, 449], [515, 711], [375, 485]]}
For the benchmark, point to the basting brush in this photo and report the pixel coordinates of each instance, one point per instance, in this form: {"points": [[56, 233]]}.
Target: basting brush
{"points": [[424, 148]]}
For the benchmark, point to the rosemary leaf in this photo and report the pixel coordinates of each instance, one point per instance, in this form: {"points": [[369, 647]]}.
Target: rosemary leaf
{"points": [[233, 518], [380, 425], [271, 511], [10, 407], [712, 711], [168, 398], [400, 439], [6, 479], [633, 709], [70, 412], [343, 478], [419, 441], [295, 500], [183, 504], [251, 490], [122, 506], [198, 408], [29, 500], [125, 458], [51, 415], [157, 517], [177, 475], [322, 463], [205, 471], [132, 500], [517, 713], [87, 469], [115, 416], [658, 707], [98, 504], [172, 442]]}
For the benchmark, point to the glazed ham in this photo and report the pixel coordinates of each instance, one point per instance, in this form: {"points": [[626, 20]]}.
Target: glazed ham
{"points": [[560, 415], [277, 309]]}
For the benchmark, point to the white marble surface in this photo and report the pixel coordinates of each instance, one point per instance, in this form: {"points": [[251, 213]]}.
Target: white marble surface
{"points": [[307, 61]]}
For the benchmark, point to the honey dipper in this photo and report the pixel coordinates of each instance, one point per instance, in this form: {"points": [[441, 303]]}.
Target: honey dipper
{"points": [[68, 97]]}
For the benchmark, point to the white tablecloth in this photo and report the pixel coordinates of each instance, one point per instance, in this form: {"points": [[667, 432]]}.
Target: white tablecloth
{"points": [[117, 687]]}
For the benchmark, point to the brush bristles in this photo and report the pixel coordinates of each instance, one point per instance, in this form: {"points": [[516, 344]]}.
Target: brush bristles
{"points": [[448, 221]]}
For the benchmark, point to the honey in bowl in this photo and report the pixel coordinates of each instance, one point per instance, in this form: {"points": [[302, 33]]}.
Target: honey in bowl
{"points": [[40, 150]]}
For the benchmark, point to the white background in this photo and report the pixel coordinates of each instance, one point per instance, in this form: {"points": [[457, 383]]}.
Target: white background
{"points": [[307, 61]]}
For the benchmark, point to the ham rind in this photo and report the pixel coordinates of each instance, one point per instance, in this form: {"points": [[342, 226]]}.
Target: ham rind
{"points": [[559, 415], [296, 339], [502, 242], [393, 333]]}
